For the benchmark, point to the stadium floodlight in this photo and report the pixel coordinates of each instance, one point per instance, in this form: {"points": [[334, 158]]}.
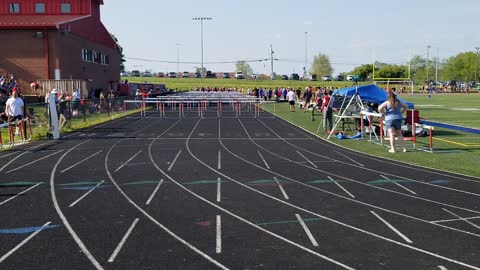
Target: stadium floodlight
{"points": [[201, 19]]}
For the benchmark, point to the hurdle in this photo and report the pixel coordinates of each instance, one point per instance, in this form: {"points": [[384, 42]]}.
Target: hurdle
{"points": [[26, 132]]}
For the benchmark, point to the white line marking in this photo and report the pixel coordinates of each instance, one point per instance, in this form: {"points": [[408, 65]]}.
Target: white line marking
{"points": [[392, 228], [264, 161], [62, 216], [218, 245], [219, 194], [86, 194], [4, 156], [140, 209], [454, 219], [28, 150], [130, 159], [307, 230], [411, 191], [442, 267], [313, 164], [174, 160], [122, 242], [35, 161], [154, 192], [463, 219], [351, 159], [81, 161], [25, 191], [219, 160], [281, 188], [4, 257], [340, 186]]}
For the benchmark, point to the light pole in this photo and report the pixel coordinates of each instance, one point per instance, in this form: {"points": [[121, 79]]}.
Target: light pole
{"points": [[476, 63], [305, 66], [428, 79], [201, 19], [178, 57], [271, 62]]}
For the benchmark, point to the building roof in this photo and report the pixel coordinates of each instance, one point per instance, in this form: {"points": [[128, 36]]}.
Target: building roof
{"points": [[35, 21]]}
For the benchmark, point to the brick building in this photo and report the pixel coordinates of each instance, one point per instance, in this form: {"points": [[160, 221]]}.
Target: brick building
{"points": [[57, 39]]}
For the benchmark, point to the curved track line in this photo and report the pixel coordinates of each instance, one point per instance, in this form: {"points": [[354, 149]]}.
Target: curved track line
{"points": [[62, 216], [340, 196], [331, 145], [234, 215], [156, 222], [372, 170], [311, 212], [352, 180]]}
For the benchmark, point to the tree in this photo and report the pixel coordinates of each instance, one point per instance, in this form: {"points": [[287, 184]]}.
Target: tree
{"points": [[321, 65], [392, 71], [120, 50], [363, 71], [460, 67], [245, 68]]}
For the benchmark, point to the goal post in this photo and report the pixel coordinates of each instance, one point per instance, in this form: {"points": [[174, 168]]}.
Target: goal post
{"points": [[402, 80]]}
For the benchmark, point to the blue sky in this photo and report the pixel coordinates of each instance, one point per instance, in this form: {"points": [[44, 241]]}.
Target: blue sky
{"points": [[348, 31]]}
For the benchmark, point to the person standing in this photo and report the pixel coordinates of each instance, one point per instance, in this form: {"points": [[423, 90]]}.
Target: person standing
{"points": [[393, 110], [291, 99], [307, 97], [327, 109], [14, 109]]}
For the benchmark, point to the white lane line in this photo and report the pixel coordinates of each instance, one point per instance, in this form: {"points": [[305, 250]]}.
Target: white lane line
{"points": [[307, 230], [25, 191], [86, 194], [313, 164], [122, 242], [81, 161], [130, 159], [65, 222], [411, 191], [453, 219], [442, 267], [218, 245], [219, 160], [463, 219], [349, 158], [340, 186], [392, 228], [28, 150], [174, 160], [281, 189], [219, 190], [35, 161], [154, 192], [4, 257], [264, 161], [4, 156]]}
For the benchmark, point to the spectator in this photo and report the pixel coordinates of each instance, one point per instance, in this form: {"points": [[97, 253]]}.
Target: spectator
{"points": [[291, 99], [327, 109], [14, 109]]}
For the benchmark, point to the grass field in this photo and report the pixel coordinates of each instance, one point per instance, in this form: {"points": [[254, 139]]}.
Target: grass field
{"points": [[453, 150]]}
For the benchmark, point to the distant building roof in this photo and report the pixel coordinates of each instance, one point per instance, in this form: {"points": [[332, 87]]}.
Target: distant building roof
{"points": [[35, 21]]}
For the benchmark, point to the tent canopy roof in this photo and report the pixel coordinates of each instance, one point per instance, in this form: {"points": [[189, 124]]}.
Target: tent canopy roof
{"points": [[369, 93]]}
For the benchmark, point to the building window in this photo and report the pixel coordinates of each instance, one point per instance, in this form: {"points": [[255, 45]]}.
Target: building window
{"points": [[65, 8], [84, 54], [39, 7], [14, 7]]}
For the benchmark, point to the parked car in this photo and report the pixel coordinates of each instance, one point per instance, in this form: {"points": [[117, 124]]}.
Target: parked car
{"points": [[210, 74], [295, 77], [350, 78], [198, 75], [239, 75], [146, 74], [123, 73], [135, 73], [339, 78], [161, 75], [285, 77], [226, 75], [186, 74], [172, 75], [326, 78], [314, 77]]}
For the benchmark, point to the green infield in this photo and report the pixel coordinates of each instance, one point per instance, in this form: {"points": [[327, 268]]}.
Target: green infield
{"points": [[453, 150]]}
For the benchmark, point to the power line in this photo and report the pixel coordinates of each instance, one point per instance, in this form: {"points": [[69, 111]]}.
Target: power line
{"points": [[188, 62]]}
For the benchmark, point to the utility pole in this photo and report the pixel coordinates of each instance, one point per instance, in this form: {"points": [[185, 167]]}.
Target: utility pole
{"points": [[271, 62], [428, 78], [476, 63], [305, 66], [201, 19], [436, 65], [178, 57]]}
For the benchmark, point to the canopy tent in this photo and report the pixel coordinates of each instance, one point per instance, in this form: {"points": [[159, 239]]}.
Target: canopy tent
{"points": [[369, 93]]}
